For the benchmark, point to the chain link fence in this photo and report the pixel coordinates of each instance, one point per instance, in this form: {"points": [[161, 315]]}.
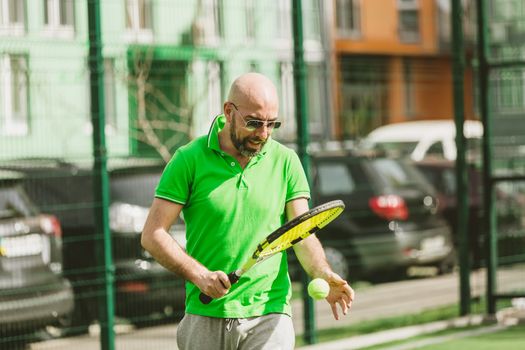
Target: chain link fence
{"points": [[167, 67]]}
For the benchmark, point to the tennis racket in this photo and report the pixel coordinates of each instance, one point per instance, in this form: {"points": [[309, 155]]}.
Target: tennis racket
{"points": [[286, 236]]}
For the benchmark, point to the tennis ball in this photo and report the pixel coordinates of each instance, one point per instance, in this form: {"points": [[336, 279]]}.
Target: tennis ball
{"points": [[318, 288]]}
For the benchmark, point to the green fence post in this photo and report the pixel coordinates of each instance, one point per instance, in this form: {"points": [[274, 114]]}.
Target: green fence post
{"points": [[488, 193], [458, 53], [302, 143], [101, 188]]}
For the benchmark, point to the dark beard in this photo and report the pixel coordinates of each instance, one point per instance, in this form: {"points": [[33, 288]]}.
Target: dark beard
{"points": [[242, 144]]}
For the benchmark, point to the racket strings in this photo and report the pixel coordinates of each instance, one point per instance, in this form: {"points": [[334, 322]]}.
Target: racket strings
{"points": [[331, 215], [283, 242], [298, 232]]}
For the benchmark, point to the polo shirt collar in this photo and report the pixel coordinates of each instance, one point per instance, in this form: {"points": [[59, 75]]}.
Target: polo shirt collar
{"points": [[213, 136]]}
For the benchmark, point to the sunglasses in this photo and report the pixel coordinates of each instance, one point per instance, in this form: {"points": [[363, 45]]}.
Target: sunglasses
{"points": [[254, 124]]}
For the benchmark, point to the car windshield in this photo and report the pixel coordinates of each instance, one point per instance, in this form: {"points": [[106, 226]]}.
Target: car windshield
{"points": [[473, 151], [396, 173], [335, 178], [14, 203], [444, 180], [396, 148], [136, 189]]}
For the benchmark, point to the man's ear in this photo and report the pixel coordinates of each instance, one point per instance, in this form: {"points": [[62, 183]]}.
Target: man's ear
{"points": [[228, 111]]}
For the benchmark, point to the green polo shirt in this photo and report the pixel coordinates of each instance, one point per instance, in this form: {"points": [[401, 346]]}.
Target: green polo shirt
{"points": [[228, 211]]}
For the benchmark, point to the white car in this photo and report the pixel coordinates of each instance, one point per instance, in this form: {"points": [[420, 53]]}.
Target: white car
{"points": [[419, 139]]}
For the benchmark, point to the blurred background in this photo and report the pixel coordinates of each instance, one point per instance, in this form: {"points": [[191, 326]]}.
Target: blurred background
{"points": [[79, 161]]}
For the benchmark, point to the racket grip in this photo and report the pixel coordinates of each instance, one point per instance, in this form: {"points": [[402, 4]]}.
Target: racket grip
{"points": [[206, 299], [233, 277]]}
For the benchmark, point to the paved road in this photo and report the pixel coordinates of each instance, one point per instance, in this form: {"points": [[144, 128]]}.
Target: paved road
{"points": [[408, 297], [373, 302]]}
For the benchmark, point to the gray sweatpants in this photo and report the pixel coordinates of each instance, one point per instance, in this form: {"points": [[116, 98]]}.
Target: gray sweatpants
{"points": [[268, 332]]}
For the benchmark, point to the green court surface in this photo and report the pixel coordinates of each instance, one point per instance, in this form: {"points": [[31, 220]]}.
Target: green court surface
{"points": [[510, 338]]}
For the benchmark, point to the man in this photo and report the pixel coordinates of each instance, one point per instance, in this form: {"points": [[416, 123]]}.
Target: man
{"points": [[235, 186]]}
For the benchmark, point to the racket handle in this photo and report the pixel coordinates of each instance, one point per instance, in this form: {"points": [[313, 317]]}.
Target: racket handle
{"points": [[206, 299], [233, 277]]}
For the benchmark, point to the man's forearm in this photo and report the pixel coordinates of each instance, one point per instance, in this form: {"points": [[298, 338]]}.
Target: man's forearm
{"points": [[312, 257], [167, 252], [310, 251]]}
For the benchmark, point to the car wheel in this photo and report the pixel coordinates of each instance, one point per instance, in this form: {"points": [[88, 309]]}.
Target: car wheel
{"points": [[337, 261], [447, 265]]}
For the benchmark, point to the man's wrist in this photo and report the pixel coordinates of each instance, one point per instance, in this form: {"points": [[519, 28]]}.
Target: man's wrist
{"points": [[324, 273], [195, 272]]}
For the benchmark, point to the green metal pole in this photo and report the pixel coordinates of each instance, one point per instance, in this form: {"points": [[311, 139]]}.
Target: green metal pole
{"points": [[488, 195], [101, 188], [302, 144], [458, 68]]}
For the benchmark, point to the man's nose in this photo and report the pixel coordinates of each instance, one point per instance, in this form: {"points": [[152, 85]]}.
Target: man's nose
{"points": [[263, 132]]}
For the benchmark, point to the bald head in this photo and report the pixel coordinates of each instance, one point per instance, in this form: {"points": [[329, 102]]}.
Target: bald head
{"points": [[252, 98], [254, 89]]}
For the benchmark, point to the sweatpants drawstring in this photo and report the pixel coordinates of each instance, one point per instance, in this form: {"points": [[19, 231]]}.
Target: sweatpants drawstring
{"points": [[229, 323]]}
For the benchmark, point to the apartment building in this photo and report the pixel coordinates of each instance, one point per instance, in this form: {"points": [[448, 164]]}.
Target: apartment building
{"points": [[394, 63], [167, 68]]}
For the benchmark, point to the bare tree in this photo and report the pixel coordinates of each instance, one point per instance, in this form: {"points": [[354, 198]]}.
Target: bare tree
{"points": [[160, 122]]}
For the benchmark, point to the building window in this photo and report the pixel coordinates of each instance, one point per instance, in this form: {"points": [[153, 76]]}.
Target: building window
{"points": [[14, 95], [207, 26], [59, 16], [287, 110], [363, 95], [408, 25], [214, 89], [284, 24], [408, 88], [110, 100], [213, 17], [249, 19], [348, 18], [510, 92], [313, 29], [318, 111], [138, 15], [254, 66], [208, 96], [109, 93], [11, 17], [139, 20]]}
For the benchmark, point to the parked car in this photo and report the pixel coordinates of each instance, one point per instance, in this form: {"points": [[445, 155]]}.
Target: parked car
{"points": [[510, 208], [144, 289], [140, 279], [33, 292], [423, 138], [390, 221]]}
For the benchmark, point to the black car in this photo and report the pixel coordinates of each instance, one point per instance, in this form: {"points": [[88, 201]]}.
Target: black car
{"points": [[33, 292], [441, 174], [140, 279], [143, 289], [390, 221], [510, 209]]}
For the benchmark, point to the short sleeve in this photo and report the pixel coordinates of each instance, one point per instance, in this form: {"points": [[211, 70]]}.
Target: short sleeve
{"points": [[297, 182], [175, 182]]}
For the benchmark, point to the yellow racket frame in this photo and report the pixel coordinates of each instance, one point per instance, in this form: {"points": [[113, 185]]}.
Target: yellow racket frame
{"points": [[286, 236], [294, 231]]}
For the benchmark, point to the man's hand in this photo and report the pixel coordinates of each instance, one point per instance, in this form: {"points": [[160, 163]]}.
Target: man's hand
{"points": [[340, 293], [214, 284], [313, 259]]}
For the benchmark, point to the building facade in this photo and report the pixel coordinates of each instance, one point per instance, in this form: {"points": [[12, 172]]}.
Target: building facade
{"points": [[168, 65], [394, 63], [167, 68]]}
